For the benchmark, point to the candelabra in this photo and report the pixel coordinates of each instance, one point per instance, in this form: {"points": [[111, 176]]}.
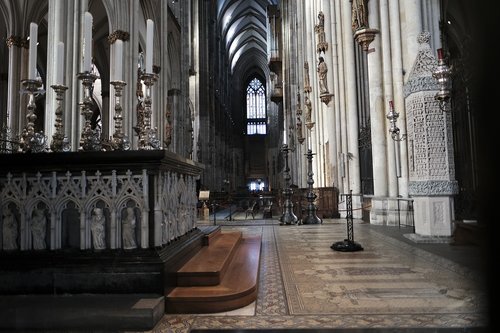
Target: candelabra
{"points": [[59, 141], [442, 75], [288, 216], [120, 141], [311, 217], [393, 118], [147, 136], [90, 139], [31, 141]]}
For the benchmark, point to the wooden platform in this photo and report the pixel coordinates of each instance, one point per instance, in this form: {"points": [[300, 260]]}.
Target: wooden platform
{"points": [[222, 276]]}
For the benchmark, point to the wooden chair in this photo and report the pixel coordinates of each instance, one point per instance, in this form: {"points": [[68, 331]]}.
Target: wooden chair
{"points": [[250, 210]]}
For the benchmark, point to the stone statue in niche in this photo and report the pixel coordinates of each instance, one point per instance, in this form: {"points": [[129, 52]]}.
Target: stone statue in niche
{"points": [[9, 230], [322, 71], [97, 228], [300, 136], [359, 14], [307, 81], [38, 229], [307, 101], [128, 229]]}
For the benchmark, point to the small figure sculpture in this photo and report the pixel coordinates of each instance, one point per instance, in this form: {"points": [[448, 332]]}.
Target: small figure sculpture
{"points": [[307, 81], [307, 101], [38, 229], [97, 227], [322, 70], [10, 230], [128, 229], [359, 15], [299, 130]]}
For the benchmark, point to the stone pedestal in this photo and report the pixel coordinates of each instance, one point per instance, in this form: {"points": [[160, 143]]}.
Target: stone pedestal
{"points": [[434, 216]]}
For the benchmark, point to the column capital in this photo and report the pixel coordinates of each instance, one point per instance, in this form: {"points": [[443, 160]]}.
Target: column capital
{"points": [[118, 34], [16, 41]]}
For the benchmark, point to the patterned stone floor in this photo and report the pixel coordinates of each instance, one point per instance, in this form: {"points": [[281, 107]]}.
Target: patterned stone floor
{"points": [[305, 284]]}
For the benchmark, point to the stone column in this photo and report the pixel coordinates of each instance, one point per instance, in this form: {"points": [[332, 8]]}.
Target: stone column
{"points": [[379, 134], [351, 109], [432, 172], [397, 87], [339, 107], [411, 27]]}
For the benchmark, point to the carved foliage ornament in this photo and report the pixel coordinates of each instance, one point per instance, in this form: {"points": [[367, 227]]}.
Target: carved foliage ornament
{"points": [[118, 34]]}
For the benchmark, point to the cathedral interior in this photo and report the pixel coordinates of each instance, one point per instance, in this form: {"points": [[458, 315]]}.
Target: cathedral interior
{"points": [[256, 165]]}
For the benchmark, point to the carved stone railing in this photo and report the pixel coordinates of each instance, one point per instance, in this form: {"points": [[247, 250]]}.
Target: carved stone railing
{"points": [[49, 201]]}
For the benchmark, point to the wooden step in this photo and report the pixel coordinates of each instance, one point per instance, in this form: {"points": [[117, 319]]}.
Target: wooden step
{"points": [[207, 267], [237, 288], [211, 233]]}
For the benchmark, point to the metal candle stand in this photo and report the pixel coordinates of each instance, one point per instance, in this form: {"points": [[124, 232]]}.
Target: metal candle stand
{"points": [[31, 141], [288, 216], [348, 245], [147, 136], [120, 141], [90, 139], [59, 141], [311, 217]]}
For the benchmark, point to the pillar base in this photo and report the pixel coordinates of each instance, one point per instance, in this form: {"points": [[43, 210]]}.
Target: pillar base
{"points": [[434, 215]]}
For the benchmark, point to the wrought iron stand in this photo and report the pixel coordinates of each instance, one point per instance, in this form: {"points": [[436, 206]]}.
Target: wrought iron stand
{"points": [[348, 245]]}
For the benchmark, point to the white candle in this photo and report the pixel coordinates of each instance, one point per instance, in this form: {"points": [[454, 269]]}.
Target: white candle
{"points": [[309, 143], [32, 51], [59, 62], [149, 45], [118, 60], [87, 41], [284, 137]]}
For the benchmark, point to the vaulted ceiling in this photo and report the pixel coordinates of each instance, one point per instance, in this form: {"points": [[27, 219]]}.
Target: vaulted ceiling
{"points": [[243, 26]]}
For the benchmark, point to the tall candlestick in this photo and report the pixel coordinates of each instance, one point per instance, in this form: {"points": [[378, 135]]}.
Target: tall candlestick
{"points": [[149, 45], [59, 61], [118, 60], [32, 51], [87, 41]]}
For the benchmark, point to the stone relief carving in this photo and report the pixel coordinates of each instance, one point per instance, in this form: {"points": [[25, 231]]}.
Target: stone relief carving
{"points": [[129, 229], [429, 129], [433, 187], [10, 230], [38, 226], [97, 228]]}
